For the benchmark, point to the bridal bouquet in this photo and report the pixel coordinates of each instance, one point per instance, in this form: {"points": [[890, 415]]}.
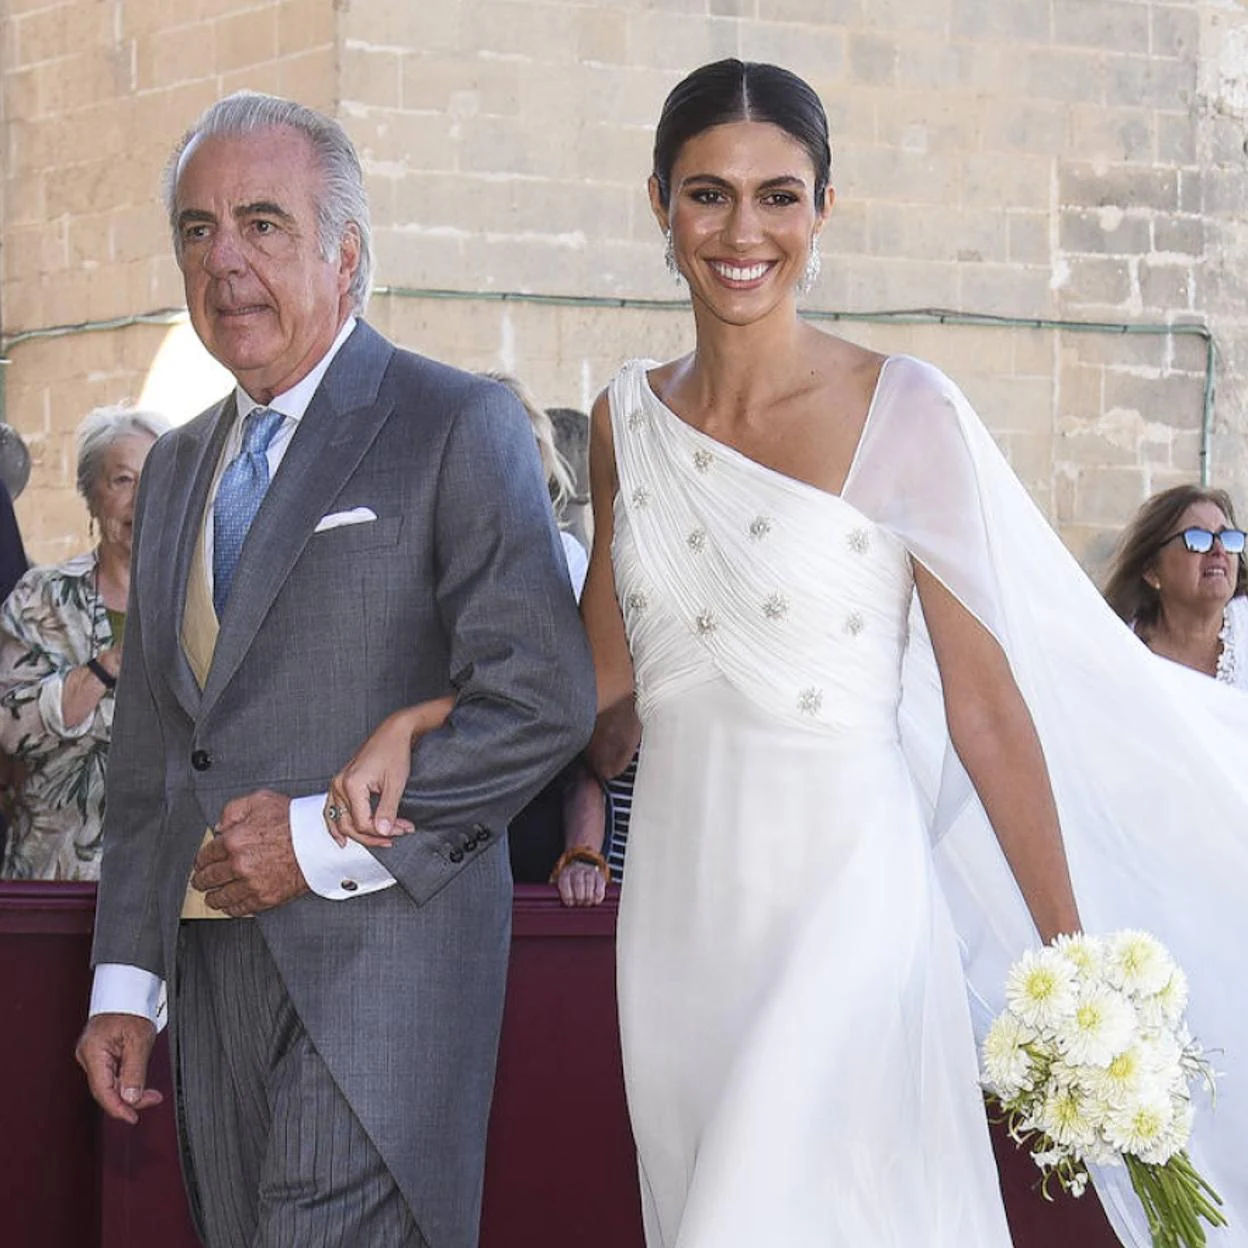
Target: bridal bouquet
{"points": [[1092, 1063]]}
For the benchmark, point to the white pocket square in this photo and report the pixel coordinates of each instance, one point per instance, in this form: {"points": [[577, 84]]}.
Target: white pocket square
{"points": [[336, 519]]}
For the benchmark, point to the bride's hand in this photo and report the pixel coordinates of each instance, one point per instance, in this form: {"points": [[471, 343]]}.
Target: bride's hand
{"points": [[380, 768]]}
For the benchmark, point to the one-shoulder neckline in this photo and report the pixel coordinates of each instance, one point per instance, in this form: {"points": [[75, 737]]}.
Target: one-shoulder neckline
{"points": [[785, 478]]}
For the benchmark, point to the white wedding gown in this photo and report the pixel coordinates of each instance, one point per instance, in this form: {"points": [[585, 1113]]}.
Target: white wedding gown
{"points": [[798, 1048]]}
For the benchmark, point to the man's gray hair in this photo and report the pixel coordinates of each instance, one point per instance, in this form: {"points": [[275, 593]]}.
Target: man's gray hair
{"points": [[341, 201], [100, 428]]}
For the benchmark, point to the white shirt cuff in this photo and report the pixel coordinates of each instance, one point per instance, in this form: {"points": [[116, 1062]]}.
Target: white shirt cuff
{"points": [[120, 989], [333, 871]]}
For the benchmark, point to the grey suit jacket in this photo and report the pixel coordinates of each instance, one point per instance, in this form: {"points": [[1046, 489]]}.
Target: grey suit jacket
{"points": [[459, 582]]}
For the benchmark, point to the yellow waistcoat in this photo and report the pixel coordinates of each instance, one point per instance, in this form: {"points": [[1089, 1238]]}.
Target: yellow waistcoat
{"points": [[199, 640]]}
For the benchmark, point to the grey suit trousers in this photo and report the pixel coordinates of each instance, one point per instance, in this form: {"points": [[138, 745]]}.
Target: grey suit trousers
{"points": [[276, 1158]]}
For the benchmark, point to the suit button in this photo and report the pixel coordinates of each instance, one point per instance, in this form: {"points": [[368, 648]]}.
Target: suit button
{"points": [[348, 886], [201, 760], [482, 833], [456, 855]]}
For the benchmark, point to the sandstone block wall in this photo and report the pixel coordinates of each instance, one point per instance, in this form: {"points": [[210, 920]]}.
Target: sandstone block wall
{"points": [[1058, 159]]}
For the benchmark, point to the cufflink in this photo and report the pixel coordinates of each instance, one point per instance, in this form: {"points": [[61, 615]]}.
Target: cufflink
{"points": [[348, 886]]}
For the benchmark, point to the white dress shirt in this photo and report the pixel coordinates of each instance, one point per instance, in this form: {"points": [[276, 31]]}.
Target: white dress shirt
{"points": [[333, 872]]}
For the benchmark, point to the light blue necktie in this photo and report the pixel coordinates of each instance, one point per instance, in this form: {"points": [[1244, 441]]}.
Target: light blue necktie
{"points": [[239, 496]]}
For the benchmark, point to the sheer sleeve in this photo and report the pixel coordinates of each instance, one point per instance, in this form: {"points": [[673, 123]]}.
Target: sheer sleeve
{"points": [[1145, 757]]}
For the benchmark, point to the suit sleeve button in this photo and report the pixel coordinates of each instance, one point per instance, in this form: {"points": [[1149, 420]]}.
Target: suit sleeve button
{"points": [[348, 886], [456, 855], [482, 833], [201, 760]]}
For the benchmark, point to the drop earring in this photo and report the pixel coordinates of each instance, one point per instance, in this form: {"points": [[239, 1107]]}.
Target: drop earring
{"points": [[814, 264], [669, 256]]}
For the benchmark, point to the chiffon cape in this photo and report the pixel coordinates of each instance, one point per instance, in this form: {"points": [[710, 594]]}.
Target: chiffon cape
{"points": [[1147, 759]]}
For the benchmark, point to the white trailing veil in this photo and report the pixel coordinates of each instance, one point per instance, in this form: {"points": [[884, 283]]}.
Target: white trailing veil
{"points": [[1149, 761]]}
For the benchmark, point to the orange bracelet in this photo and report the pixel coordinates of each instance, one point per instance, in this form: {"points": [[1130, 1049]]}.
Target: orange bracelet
{"points": [[581, 853]]}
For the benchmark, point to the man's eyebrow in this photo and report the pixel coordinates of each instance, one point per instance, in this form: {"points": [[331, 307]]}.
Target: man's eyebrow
{"points": [[190, 216], [263, 208]]}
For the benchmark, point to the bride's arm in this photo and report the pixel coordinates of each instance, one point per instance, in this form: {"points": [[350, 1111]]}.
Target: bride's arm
{"points": [[380, 768], [617, 730], [993, 733]]}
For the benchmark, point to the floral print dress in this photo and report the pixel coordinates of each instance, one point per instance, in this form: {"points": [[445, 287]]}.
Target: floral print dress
{"points": [[51, 623]]}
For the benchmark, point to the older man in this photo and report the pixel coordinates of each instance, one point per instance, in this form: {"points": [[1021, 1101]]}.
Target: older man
{"points": [[354, 529]]}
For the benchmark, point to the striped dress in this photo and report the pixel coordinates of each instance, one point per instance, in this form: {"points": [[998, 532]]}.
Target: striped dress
{"points": [[619, 808]]}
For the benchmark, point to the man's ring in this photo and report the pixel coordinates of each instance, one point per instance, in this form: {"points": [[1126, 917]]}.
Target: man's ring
{"points": [[334, 813]]}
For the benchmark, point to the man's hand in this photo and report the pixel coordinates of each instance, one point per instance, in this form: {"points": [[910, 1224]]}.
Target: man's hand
{"points": [[250, 864], [113, 1049]]}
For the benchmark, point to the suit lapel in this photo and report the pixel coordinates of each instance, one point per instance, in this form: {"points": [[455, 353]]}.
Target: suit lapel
{"points": [[193, 472], [335, 433]]}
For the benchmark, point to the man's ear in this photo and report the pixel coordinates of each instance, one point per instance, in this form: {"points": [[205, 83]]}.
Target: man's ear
{"points": [[349, 252]]}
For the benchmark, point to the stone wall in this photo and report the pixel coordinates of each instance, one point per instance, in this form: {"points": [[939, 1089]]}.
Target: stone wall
{"points": [[1062, 159]]}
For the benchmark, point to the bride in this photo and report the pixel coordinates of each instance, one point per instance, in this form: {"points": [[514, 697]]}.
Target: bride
{"points": [[864, 666]]}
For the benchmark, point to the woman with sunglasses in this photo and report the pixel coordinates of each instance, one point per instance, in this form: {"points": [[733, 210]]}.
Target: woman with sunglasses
{"points": [[1179, 579]]}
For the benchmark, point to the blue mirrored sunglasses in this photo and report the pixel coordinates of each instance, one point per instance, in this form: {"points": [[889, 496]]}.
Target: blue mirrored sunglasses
{"points": [[1200, 541]]}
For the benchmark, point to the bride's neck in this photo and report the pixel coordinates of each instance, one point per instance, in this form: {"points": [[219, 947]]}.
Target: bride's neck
{"points": [[736, 370]]}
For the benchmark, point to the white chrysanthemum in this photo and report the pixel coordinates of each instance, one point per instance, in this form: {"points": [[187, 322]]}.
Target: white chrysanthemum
{"points": [[1124, 1078], [1172, 996], [1162, 1050], [1101, 1026], [1147, 1127], [1040, 988], [1181, 1124], [1085, 952], [1063, 1077], [1064, 1117], [1138, 963], [1007, 1063]]}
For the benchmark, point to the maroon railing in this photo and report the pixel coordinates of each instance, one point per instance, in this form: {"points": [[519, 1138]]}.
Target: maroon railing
{"points": [[560, 1172]]}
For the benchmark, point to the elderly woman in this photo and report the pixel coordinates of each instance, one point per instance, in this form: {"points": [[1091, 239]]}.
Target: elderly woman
{"points": [[1179, 580], [60, 652]]}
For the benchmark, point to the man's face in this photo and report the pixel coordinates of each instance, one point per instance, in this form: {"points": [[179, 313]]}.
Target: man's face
{"points": [[262, 298]]}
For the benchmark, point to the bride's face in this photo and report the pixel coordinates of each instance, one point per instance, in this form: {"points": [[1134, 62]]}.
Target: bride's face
{"points": [[743, 217]]}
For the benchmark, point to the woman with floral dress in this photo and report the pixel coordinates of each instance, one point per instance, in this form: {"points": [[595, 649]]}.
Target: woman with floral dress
{"points": [[60, 651]]}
